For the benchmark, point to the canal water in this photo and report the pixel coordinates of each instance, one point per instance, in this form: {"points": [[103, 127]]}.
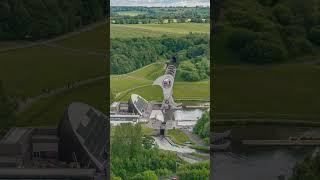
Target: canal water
{"points": [[188, 114], [259, 163]]}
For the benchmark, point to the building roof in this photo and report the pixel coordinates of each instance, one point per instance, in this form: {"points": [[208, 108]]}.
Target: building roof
{"points": [[89, 126]]}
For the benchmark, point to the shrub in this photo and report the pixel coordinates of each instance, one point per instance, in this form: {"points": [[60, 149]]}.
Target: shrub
{"points": [[283, 14], [240, 37], [314, 35]]}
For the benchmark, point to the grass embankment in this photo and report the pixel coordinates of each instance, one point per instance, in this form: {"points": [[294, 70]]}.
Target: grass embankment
{"points": [[177, 136], [140, 82], [94, 40], [205, 149], [147, 131], [26, 71], [156, 30], [286, 91], [49, 111]]}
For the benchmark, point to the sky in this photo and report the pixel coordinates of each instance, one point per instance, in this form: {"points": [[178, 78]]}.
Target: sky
{"points": [[160, 3]]}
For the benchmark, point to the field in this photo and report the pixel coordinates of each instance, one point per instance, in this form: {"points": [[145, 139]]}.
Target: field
{"points": [[156, 30], [286, 91], [130, 13], [140, 82], [26, 71]]}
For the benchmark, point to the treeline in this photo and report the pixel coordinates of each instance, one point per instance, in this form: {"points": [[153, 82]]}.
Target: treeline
{"points": [[37, 19], [192, 52], [160, 15], [269, 31], [307, 169], [200, 170], [202, 128], [134, 156]]}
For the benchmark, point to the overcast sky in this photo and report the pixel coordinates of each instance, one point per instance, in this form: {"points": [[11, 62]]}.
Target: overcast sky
{"points": [[161, 3]]}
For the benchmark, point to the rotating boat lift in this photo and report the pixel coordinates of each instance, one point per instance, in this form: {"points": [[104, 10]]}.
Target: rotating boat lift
{"points": [[168, 105]]}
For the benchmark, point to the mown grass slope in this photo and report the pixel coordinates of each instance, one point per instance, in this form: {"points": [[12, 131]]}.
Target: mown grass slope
{"points": [[49, 111], [140, 82], [77, 56]]}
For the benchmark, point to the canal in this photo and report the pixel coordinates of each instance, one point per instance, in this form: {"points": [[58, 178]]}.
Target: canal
{"points": [[259, 163]]}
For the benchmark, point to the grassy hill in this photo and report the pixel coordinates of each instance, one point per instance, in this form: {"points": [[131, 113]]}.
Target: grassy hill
{"points": [[140, 82], [156, 30], [26, 71], [49, 111]]}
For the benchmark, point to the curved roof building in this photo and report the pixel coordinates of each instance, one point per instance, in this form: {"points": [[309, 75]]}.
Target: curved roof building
{"points": [[84, 136], [139, 105]]}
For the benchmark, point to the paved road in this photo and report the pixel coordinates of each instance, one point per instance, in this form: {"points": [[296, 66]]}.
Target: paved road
{"points": [[164, 144]]}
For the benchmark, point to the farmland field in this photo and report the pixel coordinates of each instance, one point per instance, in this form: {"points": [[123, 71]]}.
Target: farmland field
{"points": [[156, 30], [130, 13]]}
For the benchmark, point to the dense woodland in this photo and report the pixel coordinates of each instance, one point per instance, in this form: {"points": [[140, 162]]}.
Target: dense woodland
{"points": [[192, 52], [268, 31], [200, 170], [38, 19], [308, 169], [160, 15], [134, 156]]}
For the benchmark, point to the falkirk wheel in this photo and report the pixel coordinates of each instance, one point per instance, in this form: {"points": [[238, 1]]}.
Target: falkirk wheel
{"points": [[168, 105]]}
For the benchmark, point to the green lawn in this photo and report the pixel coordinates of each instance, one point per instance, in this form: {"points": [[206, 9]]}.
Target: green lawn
{"points": [[177, 136], [27, 71], [156, 30], [147, 131], [49, 111], [288, 91]]}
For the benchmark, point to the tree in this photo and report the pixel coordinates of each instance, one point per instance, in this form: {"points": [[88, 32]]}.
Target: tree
{"points": [[283, 14], [148, 142], [307, 169], [314, 35], [7, 109], [202, 127], [199, 170]]}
